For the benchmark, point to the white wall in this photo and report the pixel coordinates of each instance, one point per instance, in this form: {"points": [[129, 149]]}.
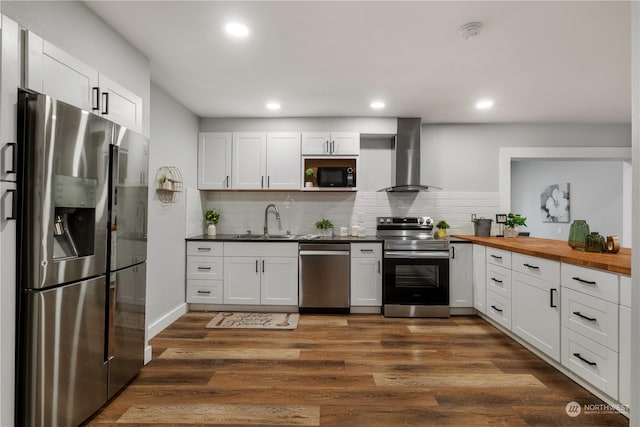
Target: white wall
{"points": [[73, 27], [595, 195], [459, 157], [174, 137]]}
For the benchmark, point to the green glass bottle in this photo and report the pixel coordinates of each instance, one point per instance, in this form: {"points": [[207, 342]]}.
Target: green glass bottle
{"points": [[578, 233]]}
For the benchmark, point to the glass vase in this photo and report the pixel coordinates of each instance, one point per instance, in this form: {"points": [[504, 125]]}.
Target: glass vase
{"points": [[578, 233]]}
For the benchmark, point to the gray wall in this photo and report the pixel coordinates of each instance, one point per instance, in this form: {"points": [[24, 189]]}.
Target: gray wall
{"points": [[174, 136], [74, 28], [595, 195], [462, 157]]}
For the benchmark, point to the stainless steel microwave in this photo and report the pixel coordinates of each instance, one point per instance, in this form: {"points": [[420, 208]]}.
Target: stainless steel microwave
{"points": [[336, 177]]}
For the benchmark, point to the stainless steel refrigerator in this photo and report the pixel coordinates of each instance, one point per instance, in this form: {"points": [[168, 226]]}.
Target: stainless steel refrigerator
{"points": [[81, 248]]}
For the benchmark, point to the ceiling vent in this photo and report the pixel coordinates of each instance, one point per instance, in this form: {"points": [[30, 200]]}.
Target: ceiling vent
{"points": [[469, 30]]}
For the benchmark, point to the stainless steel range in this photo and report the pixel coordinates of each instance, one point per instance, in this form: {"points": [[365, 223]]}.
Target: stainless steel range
{"points": [[416, 268]]}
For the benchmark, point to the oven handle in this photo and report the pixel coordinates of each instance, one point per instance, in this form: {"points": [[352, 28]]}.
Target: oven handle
{"points": [[416, 254]]}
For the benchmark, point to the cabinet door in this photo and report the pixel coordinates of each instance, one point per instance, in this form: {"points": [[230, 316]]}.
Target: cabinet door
{"points": [[345, 143], [283, 161], [625, 356], [214, 161], [461, 275], [10, 81], [241, 280], [120, 105], [52, 71], [366, 282], [316, 143], [248, 159], [479, 279], [535, 313], [279, 281]]}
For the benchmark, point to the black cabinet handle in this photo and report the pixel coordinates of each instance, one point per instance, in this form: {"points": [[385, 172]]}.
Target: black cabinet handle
{"points": [[378, 267], [366, 250], [535, 267], [227, 181], [588, 362], [95, 98], [14, 159], [204, 292], [14, 206], [586, 282], [453, 252], [105, 103], [257, 266], [496, 257], [551, 303], [496, 308], [590, 319], [204, 268], [262, 182], [204, 249], [263, 266], [496, 280]]}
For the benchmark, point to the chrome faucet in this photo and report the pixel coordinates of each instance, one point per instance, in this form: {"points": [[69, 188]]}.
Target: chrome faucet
{"points": [[266, 211]]}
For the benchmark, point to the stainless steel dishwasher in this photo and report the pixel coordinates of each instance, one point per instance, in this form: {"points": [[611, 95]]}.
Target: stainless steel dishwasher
{"points": [[324, 277]]}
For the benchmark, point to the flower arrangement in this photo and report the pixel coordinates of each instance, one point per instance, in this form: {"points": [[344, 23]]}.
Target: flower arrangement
{"points": [[212, 217]]}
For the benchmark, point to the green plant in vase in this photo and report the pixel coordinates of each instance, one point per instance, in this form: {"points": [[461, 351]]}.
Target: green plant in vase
{"points": [[324, 227], [212, 217], [512, 223], [442, 226], [308, 173]]}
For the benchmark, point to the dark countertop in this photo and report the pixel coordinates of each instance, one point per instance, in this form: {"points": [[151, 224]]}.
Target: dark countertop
{"points": [[334, 239], [559, 250]]}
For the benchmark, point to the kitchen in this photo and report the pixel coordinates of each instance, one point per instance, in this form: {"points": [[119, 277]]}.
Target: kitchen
{"points": [[470, 180]]}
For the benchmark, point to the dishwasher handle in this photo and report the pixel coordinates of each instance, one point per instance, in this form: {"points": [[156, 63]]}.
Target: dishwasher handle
{"points": [[308, 253]]}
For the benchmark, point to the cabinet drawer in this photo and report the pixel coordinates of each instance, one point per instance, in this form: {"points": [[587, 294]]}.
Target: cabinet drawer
{"points": [[593, 282], [204, 248], [204, 291], [366, 250], [499, 257], [625, 291], [499, 309], [204, 267], [595, 363], [544, 269], [261, 249], [499, 280], [592, 317]]}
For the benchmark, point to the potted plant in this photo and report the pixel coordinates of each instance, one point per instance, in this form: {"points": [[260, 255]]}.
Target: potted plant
{"points": [[442, 226], [324, 227], [308, 173], [511, 226], [212, 217]]}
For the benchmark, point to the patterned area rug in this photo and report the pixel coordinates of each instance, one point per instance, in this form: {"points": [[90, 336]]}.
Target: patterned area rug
{"points": [[255, 320]]}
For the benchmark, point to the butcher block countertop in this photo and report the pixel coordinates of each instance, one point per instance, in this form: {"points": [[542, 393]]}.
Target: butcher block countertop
{"points": [[558, 250]]}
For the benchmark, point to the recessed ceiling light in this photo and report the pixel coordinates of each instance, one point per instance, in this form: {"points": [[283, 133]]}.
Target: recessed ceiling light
{"points": [[484, 104], [236, 29], [273, 106], [377, 105]]}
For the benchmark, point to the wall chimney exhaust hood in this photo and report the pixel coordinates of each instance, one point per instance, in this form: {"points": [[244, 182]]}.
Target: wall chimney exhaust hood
{"points": [[407, 155]]}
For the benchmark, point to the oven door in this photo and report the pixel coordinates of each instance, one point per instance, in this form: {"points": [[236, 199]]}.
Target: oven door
{"points": [[416, 278]]}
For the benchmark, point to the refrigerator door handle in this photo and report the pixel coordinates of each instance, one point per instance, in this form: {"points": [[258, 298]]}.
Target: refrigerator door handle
{"points": [[111, 325]]}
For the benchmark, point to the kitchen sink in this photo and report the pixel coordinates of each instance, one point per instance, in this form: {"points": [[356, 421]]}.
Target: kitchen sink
{"points": [[262, 237], [249, 237], [282, 237]]}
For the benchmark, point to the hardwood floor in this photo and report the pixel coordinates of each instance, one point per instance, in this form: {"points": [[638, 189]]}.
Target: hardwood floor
{"points": [[357, 370]]}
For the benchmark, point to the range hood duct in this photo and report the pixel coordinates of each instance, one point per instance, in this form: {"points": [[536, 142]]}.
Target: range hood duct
{"points": [[407, 155]]}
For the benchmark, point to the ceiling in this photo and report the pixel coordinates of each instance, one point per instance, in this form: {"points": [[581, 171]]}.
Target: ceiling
{"points": [[541, 61]]}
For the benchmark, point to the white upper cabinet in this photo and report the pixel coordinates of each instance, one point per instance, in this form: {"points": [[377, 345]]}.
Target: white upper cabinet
{"points": [[330, 143], [10, 72], [249, 161], [214, 161], [119, 104], [283, 161], [52, 71]]}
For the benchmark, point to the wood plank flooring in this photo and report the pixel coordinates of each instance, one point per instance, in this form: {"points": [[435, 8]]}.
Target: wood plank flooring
{"points": [[357, 370]]}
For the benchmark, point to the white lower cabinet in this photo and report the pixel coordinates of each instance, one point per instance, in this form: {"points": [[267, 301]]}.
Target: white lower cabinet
{"points": [[479, 278], [461, 275], [594, 362], [261, 273], [624, 342], [499, 280], [204, 272], [499, 309], [366, 274], [536, 313]]}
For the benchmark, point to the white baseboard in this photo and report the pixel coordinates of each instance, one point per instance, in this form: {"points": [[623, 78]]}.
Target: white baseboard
{"points": [[148, 354], [159, 325]]}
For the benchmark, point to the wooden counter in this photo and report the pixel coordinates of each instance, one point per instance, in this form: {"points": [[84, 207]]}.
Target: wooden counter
{"points": [[558, 250]]}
